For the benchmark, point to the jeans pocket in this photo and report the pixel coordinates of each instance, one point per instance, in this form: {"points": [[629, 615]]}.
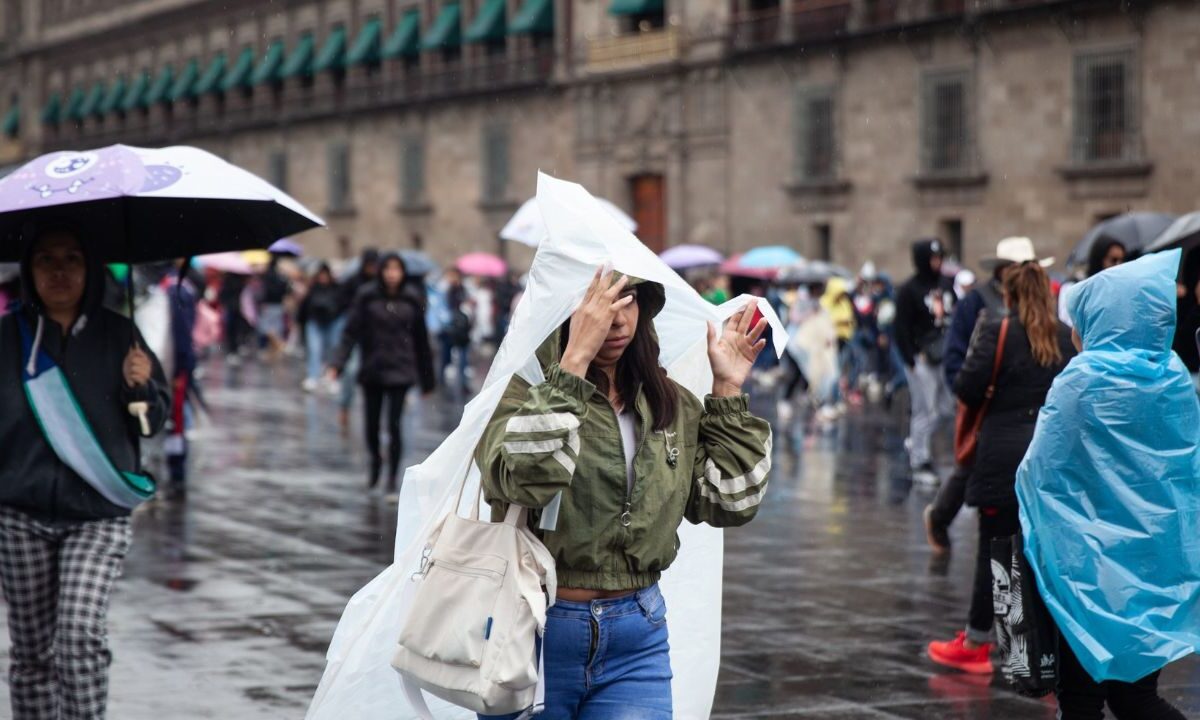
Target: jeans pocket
{"points": [[653, 607]]}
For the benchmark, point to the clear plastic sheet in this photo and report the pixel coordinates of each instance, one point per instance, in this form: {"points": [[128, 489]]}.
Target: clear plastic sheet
{"points": [[359, 682], [1108, 488]]}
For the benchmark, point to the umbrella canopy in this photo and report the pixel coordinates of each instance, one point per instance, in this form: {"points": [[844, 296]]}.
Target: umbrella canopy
{"points": [[1184, 233], [528, 228], [227, 262], [1134, 230], [286, 246], [482, 264], [146, 204], [812, 271], [771, 257], [682, 257], [418, 263], [733, 266]]}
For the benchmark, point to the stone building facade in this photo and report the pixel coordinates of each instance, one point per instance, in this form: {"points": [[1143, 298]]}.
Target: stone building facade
{"points": [[844, 128]]}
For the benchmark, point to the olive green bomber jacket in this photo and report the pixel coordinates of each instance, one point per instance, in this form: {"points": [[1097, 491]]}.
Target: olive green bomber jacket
{"points": [[562, 435]]}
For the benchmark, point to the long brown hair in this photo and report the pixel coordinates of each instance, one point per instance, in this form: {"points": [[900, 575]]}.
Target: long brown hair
{"points": [[638, 366], [1027, 289]]}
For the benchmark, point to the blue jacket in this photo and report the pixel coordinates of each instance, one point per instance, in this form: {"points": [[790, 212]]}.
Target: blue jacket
{"points": [[1109, 501]]}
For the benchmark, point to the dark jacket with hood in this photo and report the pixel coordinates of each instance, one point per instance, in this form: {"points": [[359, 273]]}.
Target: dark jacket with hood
{"points": [[359, 281], [322, 303], [91, 356], [916, 328], [990, 297], [1011, 418], [391, 334]]}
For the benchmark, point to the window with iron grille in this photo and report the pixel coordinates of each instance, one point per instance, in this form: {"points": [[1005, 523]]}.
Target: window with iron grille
{"points": [[816, 150], [1106, 117], [412, 171], [339, 176], [495, 163], [946, 124], [277, 167]]}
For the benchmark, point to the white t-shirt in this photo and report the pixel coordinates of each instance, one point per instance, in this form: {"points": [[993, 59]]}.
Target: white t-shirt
{"points": [[628, 424]]}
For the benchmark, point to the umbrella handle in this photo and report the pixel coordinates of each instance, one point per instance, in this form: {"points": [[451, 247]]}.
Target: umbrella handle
{"points": [[139, 410]]}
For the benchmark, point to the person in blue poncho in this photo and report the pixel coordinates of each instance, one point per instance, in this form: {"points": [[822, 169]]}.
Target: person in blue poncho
{"points": [[1108, 497]]}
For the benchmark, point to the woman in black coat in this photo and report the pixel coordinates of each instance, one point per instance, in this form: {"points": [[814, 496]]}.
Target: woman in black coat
{"points": [[387, 323], [1036, 349]]}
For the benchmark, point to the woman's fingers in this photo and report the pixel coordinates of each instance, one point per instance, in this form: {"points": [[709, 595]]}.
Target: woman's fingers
{"points": [[759, 328], [745, 318], [594, 285], [617, 287]]}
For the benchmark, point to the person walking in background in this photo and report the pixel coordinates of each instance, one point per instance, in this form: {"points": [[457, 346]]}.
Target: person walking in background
{"points": [[364, 278], [988, 296], [229, 297], [319, 314], [62, 540], [387, 325], [183, 293], [454, 338], [272, 321], [1033, 348], [924, 305], [1108, 497]]}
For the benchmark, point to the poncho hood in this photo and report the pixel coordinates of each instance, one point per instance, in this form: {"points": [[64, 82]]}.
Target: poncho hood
{"points": [[1129, 307]]}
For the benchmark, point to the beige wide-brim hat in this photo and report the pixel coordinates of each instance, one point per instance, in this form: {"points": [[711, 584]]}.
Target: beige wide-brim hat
{"points": [[1014, 250]]}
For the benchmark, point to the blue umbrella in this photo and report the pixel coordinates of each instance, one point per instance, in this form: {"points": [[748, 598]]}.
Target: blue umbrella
{"points": [[769, 257]]}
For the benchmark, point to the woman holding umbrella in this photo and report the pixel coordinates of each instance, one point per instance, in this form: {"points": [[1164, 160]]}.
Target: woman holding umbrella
{"points": [[387, 324], [68, 480]]}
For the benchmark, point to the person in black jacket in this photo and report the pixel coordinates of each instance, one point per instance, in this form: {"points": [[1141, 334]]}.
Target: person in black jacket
{"points": [[387, 324], [62, 543], [923, 308], [320, 316], [364, 278], [1036, 349]]}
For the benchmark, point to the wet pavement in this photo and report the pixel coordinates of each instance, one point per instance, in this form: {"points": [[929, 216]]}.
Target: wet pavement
{"points": [[231, 592]]}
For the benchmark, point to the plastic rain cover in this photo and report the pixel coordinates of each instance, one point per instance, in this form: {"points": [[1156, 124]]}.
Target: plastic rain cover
{"points": [[359, 681], [1108, 489]]}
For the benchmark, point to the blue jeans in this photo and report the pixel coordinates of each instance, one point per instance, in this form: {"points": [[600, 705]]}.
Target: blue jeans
{"points": [[607, 660], [320, 340]]}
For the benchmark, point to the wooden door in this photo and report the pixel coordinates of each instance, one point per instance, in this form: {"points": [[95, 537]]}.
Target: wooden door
{"points": [[649, 210]]}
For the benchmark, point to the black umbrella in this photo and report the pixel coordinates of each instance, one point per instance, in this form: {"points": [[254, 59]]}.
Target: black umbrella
{"points": [[1134, 230], [1184, 233]]}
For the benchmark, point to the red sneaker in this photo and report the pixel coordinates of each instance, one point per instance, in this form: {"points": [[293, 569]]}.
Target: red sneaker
{"points": [[953, 654]]}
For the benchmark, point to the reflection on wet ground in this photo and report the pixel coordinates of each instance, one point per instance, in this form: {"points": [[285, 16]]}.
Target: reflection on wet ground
{"points": [[231, 592]]}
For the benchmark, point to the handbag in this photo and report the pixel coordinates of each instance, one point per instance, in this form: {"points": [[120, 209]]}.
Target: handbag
{"points": [[471, 635], [1025, 633], [969, 420]]}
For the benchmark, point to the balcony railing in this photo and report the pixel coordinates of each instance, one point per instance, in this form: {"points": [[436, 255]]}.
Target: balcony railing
{"points": [[268, 106], [810, 21], [625, 52]]}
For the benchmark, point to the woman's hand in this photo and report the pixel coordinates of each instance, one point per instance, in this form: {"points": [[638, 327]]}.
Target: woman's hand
{"points": [[592, 321], [137, 368], [733, 353]]}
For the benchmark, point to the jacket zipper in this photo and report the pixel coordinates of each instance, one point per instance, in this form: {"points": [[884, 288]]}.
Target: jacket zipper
{"points": [[626, 518]]}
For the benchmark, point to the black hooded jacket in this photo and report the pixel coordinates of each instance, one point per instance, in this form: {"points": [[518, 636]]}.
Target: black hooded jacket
{"points": [[391, 334], [917, 330], [91, 356]]}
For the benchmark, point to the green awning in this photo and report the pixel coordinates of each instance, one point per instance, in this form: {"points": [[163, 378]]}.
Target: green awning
{"points": [[536, 17], [12, 121], [112, 100], [300, 62], [268, 69], [210, 81], [78, 95], [489, 23], [333, 53], [239, 75], [52, 109], [365, 50], [445, 32], [406, 39], [184, 87], [135, 97], [91, 104], [160, 91], [634, 7]]}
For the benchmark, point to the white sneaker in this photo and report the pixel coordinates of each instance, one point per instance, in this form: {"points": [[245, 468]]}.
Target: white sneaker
{"points": [[309, 385]]}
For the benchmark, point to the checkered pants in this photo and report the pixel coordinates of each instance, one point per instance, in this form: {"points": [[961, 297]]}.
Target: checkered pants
{"points": [[57, 580]]}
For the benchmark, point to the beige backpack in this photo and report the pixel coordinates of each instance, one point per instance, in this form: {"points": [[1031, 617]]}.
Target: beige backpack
{"points": [[470, 636]]}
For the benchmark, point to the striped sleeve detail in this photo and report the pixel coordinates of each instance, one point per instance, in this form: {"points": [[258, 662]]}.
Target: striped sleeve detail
{"points": [[546, 422], [740, 492]]}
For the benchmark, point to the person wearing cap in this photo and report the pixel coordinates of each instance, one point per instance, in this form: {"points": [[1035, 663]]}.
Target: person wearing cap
{"points": [[72, 376], [923, 307], [988, 296], [629, 455]]}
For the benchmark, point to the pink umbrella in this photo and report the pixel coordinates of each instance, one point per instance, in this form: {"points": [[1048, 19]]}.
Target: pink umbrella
{"points": [[227, 262], [733, 266], [482, 264]]}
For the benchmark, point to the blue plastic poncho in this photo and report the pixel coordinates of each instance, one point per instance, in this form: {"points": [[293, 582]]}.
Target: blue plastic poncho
{"points": [[1109, 496]]}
